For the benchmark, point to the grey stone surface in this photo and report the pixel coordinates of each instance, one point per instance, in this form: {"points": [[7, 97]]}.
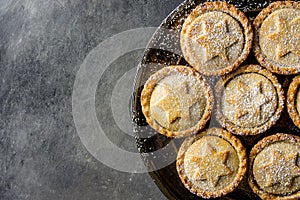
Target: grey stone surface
{"points": [[42, 45]]}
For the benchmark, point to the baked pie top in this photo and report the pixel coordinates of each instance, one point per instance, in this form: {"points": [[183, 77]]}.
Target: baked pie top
{"points": [[293, 101], [215, 38], [211, 164], [177, 101], [274, 167], [250, 100], [277, 37]]}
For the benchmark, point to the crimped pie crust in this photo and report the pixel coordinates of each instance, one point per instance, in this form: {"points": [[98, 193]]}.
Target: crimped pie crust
{"points": [[249, 100], [293, 101], [227, 32], [212, 163], [274, 171], [277, 33], [177, 101]]}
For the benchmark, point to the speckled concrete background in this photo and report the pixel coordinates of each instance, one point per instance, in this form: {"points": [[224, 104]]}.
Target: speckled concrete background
{"points": [[42, 45]]}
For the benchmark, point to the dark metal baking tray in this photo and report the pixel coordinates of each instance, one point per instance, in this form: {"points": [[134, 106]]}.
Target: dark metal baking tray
{"points": [[159, 152]]}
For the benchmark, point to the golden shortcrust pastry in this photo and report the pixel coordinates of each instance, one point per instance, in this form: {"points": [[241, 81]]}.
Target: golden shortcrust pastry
{"points": [[293, 101], [249, 100], [177, 101], [277, 37], [274, 167], [211, 164], [216, 38]]}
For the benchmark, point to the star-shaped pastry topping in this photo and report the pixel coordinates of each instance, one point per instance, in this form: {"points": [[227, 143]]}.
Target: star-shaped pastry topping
{"points": [[170, 104], [237, 99], [187, 99], [281, 169], [177, 102], [210, 165], [216, 39], [248, 100], [286, 37]]}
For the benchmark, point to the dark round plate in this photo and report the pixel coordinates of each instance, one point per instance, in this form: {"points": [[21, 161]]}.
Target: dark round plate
{"points": [[159, 152]]}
